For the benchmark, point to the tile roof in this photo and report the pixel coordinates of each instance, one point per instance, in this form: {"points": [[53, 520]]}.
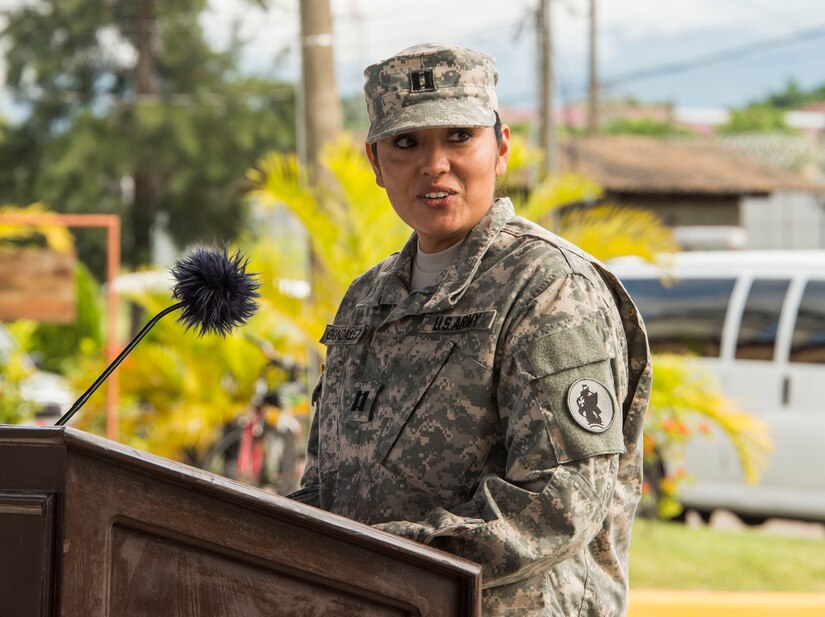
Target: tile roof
{"points": [[630, 164]]}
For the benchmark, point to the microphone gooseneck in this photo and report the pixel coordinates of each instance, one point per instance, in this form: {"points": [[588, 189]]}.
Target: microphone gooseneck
{"points": [[214, 292], [115, 363]]}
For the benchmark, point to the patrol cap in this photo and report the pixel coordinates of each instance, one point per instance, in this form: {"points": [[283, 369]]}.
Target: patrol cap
{"points": [[429, 86]]}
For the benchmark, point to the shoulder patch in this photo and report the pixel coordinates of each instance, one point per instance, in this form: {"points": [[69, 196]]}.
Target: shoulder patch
{"points": [[591, 405]]}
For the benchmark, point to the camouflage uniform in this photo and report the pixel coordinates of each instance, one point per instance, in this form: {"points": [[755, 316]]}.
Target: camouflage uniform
{"points": [[497, 416]]}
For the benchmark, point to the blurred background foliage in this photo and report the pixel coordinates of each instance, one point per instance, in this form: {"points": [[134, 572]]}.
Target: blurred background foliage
{"points": [[14, 370], [111, 127]]}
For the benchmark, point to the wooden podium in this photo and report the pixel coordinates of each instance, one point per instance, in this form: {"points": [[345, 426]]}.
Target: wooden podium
{"points": [[90, 528]]}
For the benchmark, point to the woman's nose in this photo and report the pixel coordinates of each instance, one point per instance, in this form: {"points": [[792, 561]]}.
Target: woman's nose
{"points": [[435, 161]]}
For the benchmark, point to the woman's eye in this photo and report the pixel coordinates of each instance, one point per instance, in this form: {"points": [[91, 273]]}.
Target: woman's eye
{"points": [[461, 135], [404, 141]]}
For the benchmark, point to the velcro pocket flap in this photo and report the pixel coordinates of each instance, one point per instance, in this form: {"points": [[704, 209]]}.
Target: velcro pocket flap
{"points": [[565, 349]]}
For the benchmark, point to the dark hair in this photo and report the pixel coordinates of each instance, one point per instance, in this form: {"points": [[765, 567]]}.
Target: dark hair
{"points": [[496, 130]]}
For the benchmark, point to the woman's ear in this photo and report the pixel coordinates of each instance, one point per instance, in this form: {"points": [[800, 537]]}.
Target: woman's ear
{"points": [[503, 151], [372, 155]]}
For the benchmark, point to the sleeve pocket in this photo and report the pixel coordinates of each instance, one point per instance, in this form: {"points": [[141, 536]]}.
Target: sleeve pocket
{"points": [[566, 349], [572, 383]]}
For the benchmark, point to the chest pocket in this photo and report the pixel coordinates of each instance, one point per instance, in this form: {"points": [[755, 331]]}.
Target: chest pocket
{"points": [[340, 342], [440, 419]]}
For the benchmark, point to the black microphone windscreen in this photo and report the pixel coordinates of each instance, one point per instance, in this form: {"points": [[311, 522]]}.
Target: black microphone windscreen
{"points": [[217, 291]]}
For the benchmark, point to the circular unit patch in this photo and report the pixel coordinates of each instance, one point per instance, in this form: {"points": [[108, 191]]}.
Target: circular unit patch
{"points": [[591, 405]]}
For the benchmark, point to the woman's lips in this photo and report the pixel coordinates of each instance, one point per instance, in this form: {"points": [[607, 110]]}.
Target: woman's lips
{"points": [[437, 197]]}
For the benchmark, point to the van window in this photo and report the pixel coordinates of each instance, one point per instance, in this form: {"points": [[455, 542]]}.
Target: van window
{"points": [[808, 343], [760, 319], [684, 316]]}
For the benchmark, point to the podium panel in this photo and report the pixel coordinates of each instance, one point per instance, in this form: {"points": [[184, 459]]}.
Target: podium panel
{"points": [[26, 536], [90, 527]]}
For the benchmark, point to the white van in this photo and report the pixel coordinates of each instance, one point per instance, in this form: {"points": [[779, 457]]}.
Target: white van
{"points": [[756, 319]]}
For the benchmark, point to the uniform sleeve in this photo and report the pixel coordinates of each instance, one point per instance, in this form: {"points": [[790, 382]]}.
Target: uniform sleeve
{"points": [[560, 379]]}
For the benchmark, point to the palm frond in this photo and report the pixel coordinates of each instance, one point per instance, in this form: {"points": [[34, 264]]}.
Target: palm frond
{"points": [[609, 231], [683, 392]]}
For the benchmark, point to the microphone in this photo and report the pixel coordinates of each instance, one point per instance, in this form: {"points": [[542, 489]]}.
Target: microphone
{"points": [[215, 293]]}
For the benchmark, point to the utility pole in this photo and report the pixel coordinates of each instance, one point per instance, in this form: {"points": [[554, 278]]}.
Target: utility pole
{"points": [[319, 111], [143, 207], [547, 127], [593, 89], [320, 118]]}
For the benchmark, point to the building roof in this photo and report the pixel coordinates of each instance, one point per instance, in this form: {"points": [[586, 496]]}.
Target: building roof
{"points": [[818, 106], [629, 164]]}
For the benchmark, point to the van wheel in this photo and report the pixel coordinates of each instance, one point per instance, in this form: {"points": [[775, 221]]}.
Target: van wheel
{"points": [[703, 515], [751, 520]]}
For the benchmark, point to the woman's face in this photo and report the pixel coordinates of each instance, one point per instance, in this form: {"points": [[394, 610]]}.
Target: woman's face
{"points": [[441, 181]]}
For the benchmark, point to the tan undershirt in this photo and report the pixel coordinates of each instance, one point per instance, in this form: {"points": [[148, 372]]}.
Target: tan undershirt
{"points": [[428, 268]]}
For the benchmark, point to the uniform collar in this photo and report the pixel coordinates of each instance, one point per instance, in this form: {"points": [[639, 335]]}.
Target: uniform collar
{"points": [[392, 284]]}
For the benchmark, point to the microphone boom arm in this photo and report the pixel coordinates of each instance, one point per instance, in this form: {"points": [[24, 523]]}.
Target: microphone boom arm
{"points": [[85, 396]]}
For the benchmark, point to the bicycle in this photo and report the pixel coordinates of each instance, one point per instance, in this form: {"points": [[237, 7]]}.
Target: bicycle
{"points": [[263, 446]]}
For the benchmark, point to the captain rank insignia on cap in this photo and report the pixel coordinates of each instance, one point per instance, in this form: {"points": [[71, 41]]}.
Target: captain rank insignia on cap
{"points": [[422, 81], [591, 405]]}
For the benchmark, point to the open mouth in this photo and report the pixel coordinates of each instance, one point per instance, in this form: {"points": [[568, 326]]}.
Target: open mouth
{"points": [[437, 197]]}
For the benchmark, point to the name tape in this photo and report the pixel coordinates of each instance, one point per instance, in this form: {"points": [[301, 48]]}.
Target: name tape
{"points": [[342, 335]]}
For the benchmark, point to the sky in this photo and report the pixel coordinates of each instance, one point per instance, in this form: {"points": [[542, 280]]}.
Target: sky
{"points": [[769, 42]]}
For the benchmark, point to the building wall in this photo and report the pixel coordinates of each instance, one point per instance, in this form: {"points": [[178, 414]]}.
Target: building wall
{"points": [[677, 211], [785, 220]]}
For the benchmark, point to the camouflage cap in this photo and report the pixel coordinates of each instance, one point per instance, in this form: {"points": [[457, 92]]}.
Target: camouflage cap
{"points": [[428, 86]]}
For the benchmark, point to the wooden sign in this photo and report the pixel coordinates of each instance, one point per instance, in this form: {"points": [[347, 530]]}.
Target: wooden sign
{"points": [[38, 284]]}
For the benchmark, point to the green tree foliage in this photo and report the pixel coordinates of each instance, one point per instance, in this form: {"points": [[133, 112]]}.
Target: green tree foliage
{"points": [[129, 111], [646, 127], [793, 96], [755, 119]]}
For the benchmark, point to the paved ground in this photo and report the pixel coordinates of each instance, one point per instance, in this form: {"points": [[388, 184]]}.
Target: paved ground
{"points": [[656, 603]]}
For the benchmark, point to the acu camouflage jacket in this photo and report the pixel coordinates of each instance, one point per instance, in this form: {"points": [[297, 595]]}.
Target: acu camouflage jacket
{"points": [[497, 416]]}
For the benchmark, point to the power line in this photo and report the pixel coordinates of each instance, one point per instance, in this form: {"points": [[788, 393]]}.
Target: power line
{"points": [[718, 57]]}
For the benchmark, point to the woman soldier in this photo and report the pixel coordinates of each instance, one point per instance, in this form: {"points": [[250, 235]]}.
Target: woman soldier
{"points": [[450, 411]]}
